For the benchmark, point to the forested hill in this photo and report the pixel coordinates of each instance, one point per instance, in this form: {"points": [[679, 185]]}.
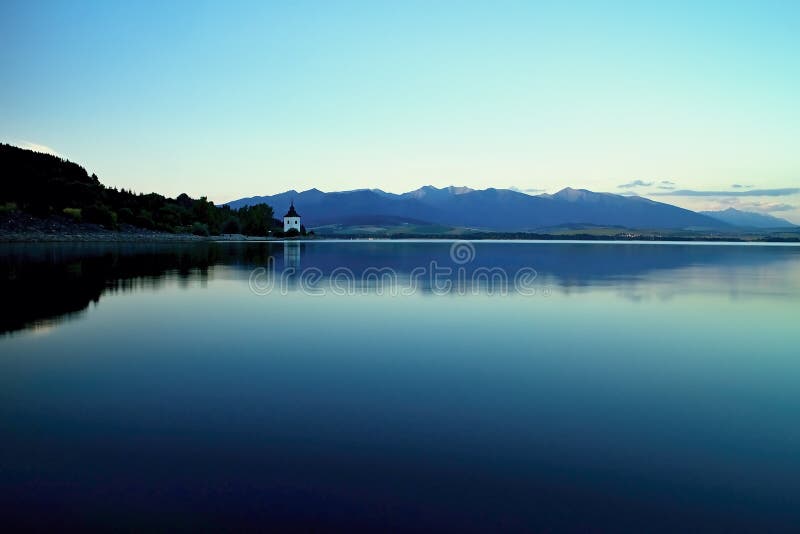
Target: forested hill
{"points": [[48, 186]]}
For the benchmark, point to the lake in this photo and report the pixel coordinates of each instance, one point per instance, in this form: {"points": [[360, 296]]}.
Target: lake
{"points": [[401, 385]]}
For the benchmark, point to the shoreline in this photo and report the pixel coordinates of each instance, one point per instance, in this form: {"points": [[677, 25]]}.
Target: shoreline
{"points": [[93, 237], [19, 227], [144, 236], [110, 236]]}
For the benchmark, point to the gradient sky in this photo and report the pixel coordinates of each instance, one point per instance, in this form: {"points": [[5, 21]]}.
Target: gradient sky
{"points": [[232, 101]]}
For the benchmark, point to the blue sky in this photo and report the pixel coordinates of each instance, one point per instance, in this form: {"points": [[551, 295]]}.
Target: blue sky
{"points": [[256, 98]]}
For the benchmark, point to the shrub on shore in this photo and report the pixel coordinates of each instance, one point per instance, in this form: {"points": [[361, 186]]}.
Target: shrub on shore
{"points": [[199, 229], [73, 213]]}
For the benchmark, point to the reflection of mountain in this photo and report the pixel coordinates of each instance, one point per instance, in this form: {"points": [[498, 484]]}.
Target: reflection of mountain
{"points": [[42, 283], [566, 264]]}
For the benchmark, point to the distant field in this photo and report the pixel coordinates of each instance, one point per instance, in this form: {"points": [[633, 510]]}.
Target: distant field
{"points": [[568, 231]]}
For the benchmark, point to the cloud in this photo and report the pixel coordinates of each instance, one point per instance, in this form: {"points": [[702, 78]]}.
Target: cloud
{"points": [[751, 205], [666, 185], [36, 147], [740, 186], [780, 192], [779, 207], [763, 206], [635, 183]]}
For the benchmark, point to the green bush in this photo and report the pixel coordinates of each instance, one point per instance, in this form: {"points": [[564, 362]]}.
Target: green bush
{"points": [[171, 215], [100, 214], [161, 227], [232, 226], [143, 221], [73, 213], [126, 215], [200, 229]]}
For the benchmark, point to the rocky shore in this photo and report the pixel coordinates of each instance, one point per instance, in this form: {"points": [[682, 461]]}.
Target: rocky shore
{"points": [[18, 227]]}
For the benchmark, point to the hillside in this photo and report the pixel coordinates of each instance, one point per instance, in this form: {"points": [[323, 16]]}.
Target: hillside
{"points": [[61, 192]]}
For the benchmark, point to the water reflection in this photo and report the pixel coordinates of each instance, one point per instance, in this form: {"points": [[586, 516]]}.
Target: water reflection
{"points": [[52, 282], [291, 255], [654, 389]]}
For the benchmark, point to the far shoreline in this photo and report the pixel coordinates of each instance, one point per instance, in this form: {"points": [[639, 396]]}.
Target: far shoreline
{"points": [[145, 236]]}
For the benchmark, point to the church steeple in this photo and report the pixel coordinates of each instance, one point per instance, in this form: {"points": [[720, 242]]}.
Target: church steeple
{"points": [[292, 212]]}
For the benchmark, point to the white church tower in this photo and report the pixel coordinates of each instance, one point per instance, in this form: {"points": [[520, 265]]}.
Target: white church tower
{"points": [[291, 219]]}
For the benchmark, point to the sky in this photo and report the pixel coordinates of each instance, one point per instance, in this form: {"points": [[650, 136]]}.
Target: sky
{"points": [[691, 103]]}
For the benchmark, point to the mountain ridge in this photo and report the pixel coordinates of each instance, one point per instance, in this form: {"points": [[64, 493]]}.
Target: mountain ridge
{"points": [[490, 209], [749, 219]]}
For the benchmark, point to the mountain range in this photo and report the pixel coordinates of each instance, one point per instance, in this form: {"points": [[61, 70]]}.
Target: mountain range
{"points": [[748, 219], [490, 209]]}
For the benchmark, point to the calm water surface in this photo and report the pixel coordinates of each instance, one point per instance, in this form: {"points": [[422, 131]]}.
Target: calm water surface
{"points": [[340, 385]]}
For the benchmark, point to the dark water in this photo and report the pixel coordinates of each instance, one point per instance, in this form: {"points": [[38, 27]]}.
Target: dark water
{"points": [[336, 386]]}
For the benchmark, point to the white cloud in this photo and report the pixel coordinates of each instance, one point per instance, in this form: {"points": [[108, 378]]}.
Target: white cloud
{"points": [[635, 183], [760, 207], [778, 192], [36, 147]]}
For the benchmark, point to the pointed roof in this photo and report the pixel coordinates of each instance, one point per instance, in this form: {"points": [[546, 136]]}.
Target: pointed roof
{"points": [[292, 212]]}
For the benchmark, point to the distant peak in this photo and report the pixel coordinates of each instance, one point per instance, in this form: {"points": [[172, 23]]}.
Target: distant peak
{"points": [[430, 189], [459, 189], [361, 190], [568, 193], [421, 192], [567, 190]]}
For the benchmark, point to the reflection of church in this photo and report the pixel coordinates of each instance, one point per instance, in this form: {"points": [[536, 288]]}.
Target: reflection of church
{"points": [[291, 219], [291, 254]]}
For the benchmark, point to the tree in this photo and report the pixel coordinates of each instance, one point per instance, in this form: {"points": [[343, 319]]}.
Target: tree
{"points": [[255, 220], [232, 226], [43, 185]]}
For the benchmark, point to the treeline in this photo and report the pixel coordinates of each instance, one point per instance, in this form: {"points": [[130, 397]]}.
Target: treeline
{"points": [[46, 185]]}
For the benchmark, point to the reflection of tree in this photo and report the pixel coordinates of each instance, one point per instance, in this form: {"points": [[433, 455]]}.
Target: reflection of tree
{"points": [[43, 292], [42, 283]]}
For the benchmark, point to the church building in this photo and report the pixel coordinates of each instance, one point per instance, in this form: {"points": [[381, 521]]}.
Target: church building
{"points": [[291, 219]]}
